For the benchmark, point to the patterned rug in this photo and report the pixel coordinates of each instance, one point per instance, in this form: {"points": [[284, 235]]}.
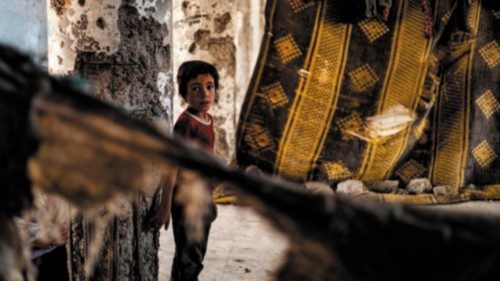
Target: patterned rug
{"points": [[410, 93]]}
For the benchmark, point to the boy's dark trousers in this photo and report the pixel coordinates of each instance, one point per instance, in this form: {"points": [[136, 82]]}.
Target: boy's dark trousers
{"points": [[53, 265], [188, 259]]}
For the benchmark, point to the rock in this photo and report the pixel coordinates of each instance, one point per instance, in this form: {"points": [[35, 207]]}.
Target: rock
{"points": [[320, 188], [351, 187], [254, 171], [402, 191], [419, 186], [444, 190], [384, 186], [471, 186]]}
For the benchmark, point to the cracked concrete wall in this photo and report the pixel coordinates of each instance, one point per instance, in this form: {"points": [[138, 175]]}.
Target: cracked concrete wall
{"points": [[25, 30], [227, 34], [121, 46], [250, 23]]}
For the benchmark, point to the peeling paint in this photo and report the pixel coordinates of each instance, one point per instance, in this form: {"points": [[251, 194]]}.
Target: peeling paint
{"points": [[86, 26], [165, 84], [162, 81], [101, 23], [123, 48], [158, 9], [166, 98], [223, 50], [134, 77], [221, 22], [60, 6], [201, 37]]}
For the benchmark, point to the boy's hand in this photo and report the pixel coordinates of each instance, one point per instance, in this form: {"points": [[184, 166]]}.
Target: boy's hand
{"points": [[159, 213], [159, 217], [59, 239]]}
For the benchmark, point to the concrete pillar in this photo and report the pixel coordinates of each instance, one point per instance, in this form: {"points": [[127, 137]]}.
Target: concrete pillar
{"points": [[122, 47], [227, 34]]}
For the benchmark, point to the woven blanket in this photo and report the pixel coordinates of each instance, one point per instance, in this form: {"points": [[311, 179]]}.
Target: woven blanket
{"points": [[337, 95]]}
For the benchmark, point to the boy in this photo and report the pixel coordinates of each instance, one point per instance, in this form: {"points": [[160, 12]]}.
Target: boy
{"points": [[198, 82]]}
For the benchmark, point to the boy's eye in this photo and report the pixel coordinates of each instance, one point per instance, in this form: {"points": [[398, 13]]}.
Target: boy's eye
{"points": [[195, 89], [210, 87]]}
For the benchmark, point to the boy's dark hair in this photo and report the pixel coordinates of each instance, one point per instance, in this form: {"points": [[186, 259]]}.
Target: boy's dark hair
{"points": [[190, 69]]}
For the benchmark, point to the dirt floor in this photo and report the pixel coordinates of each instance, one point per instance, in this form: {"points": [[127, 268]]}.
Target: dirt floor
{"points": [[241, 247]]}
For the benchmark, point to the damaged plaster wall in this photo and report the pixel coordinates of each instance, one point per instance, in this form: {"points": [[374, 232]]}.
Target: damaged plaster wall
{"points": [[122, 47], [24, 30], [250, 24], [227, 34]]}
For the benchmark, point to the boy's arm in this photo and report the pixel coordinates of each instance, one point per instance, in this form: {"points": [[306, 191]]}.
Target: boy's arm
{"points": [[161, 214]]}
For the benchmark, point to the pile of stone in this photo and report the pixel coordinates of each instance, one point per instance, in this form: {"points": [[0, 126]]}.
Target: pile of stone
{"points": [[416, 186]]}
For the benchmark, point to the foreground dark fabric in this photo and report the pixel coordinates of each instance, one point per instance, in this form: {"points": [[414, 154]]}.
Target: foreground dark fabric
{"points": [[325, 69], [333, 238]]}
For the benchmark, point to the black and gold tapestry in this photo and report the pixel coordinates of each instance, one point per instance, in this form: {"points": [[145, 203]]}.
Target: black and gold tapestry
{"points": [[337, 95]]}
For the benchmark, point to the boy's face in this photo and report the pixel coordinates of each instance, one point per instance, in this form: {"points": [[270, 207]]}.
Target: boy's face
{"points": [[201, 92]]}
